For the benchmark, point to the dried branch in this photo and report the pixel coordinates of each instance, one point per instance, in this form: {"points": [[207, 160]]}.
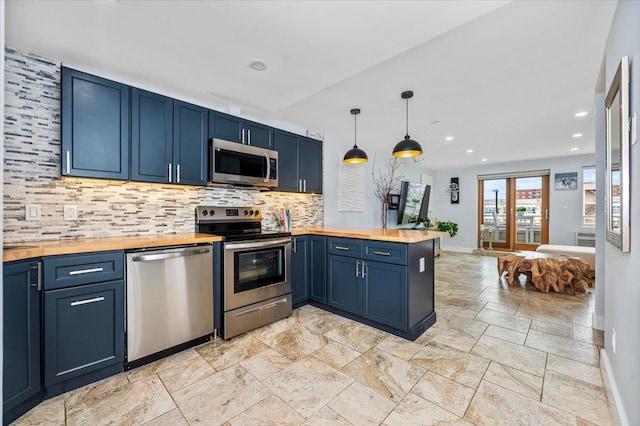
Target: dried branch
{"points": [[386, 180]]}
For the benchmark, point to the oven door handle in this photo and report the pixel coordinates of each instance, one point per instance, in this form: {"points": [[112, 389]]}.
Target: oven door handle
{"points": [[256, 244]]}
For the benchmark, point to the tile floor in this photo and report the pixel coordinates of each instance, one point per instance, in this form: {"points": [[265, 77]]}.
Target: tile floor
{"points": [[495, 356]]}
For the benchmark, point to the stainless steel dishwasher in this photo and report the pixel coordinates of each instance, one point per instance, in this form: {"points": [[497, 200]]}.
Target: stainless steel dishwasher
{"points": [[169, 298]]}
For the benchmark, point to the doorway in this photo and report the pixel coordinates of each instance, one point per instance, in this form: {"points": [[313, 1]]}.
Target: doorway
{"points": [[513, 211]]}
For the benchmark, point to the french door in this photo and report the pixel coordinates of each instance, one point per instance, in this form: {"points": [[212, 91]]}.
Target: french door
{"points": [[513, 212]]}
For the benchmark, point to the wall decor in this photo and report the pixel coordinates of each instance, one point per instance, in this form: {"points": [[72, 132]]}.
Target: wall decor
{"points": [[617, 195], [351, 178], [454, 189], [566, 181]]}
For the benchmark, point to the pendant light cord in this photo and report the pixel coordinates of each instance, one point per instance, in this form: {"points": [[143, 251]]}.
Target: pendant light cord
{"points": [[407, 132], [355, 130]]}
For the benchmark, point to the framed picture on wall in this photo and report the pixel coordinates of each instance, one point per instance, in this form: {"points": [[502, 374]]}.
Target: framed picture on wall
{"points": [[566, 181]]}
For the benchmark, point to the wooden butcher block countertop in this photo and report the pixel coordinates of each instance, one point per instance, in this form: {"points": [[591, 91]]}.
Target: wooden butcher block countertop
{"points": [[393, 235]]}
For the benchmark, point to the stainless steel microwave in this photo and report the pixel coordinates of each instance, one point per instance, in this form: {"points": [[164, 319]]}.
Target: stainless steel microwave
{"points": [[239, 164]]}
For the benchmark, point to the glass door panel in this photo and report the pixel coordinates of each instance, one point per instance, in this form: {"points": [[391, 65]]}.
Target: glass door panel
{"points": [[528, 212], [494, 213]]}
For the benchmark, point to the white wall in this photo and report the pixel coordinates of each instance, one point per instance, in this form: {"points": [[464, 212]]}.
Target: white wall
{"points": [[622, 289], [565, 207]]}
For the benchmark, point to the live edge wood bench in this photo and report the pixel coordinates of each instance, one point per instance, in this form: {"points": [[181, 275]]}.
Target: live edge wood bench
{"points": [[546, 271]]}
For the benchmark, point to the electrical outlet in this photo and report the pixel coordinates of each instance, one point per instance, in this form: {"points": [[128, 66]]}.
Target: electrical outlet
{"points": [[613, 340], [70, 212], [32, 212]]}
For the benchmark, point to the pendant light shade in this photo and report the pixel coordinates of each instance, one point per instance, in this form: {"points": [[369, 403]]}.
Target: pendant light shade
{"points": [[407, 147], [355, 155]]}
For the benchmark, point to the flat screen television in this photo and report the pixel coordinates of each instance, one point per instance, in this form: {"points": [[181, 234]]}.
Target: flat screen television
{"points": [[414, 203]]}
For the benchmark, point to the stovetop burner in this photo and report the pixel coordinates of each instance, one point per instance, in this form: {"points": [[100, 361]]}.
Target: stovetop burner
{"points": [[234, 223]]}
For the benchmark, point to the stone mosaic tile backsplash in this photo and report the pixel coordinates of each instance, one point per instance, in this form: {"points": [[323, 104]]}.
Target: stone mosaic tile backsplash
{"points": [[105, 208]]}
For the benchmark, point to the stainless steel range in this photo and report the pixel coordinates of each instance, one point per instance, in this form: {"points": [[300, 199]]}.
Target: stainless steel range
{"points": [[256, 280]]}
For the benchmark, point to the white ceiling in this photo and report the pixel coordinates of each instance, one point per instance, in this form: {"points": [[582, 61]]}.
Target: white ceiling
{"points": [[503, 78]]}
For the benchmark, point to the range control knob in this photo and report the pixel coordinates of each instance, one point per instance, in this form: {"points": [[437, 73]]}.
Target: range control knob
{"points": [[250, 212], [204, 212], [246, 212], [212, 212], [257, 212]]}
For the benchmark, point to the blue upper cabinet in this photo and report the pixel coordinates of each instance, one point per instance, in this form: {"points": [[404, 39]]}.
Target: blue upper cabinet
{"points": [[299, 163], [151, 137], [310, 154], [287, 146], [95, 126], [189, 144], [236, 129]]}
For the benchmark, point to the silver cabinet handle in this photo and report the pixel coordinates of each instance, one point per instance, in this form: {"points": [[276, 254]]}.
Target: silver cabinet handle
{"points": [[68, 162], [266, 178], [249, 137], [357, 267], [169, 172], [177, 173], [242, 138], [86, 271], [86, 301], [299, 185], [305, 186], [364, 264], [382, 253], [169, 255], [295, 245], [261, 308], [342, 248]]}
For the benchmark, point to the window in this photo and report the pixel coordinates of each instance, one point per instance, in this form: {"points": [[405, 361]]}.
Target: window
{"points": [[589, 196]]}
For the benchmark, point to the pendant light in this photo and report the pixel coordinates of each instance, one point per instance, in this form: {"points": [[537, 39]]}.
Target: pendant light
{"points": [[407, 147], [355, 155]]}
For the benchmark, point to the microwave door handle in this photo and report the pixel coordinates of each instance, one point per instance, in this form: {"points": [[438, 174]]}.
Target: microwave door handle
{"points": [[266, 178]]}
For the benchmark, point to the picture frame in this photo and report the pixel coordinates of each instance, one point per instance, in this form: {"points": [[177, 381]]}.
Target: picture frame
{"points": [[566, 181]]}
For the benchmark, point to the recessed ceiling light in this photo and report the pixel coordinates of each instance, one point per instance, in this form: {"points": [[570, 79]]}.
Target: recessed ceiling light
{"points": [[469, 151], [582, 114], [434, 122], [574, 148], [577, 135], [483, 160], [258, 65], [448, 138]]}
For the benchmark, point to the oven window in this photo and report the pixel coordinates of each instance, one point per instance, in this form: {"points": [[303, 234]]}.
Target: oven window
{"points": [[258, 268]]}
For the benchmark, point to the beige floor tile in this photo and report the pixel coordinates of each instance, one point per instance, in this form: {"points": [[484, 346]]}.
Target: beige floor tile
{"points": [[542, 312], [135, 403], [266, 333], [516, 380], [505, 307], [585, 321], [444, 310], [298, 342], [336, 355], [494, 405], [361, 406], [506, 334], [402, 348], [49, 412], [512, 355], [324, 323], [451, 363], [150, 370], [220, 397], [455, 339], [588, 334], [94, 389], [561, 329], [511, 322], [269, 411], [265, 364], [577, 397], [222, 353], [568, 348], [326, 417], [357, 336], [172, 418], [184, 374], [445, 393], [575, 369], [388, 375], [308, 385], [417, 411], [464, 302]]}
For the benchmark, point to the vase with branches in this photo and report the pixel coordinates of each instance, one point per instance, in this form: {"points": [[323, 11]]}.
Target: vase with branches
{"points": [[385, 180]]}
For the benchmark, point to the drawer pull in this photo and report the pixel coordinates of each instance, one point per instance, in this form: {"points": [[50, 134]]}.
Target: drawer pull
{"points": [[86, 271], [381, 253], [86, 301], [342, 248]]}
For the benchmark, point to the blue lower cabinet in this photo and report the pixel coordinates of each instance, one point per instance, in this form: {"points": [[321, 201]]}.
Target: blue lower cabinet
{"points": [[344, 283], [385, 294], [300, 270], [83, 330], [318, 269], [21, 379]]}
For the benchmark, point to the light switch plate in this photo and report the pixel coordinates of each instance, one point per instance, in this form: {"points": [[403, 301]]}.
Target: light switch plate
{"points": [[422, 264], [32, 212]]}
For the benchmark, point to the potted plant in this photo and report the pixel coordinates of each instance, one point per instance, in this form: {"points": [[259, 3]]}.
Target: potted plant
{"points": [[448, 226], [520, 210]]}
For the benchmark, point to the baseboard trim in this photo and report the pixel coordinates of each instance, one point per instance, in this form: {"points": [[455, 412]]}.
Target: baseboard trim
{"points": [[613, 395], [597, 321], [458, 249]]}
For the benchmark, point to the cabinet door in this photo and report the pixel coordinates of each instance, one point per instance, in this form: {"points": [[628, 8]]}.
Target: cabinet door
{"points": [[225, 127], [258, 134], [287, 146], [300, 270], [83, 330], [151, 136], [189, 144], [385, 294], [311, 164], [95, 126], [345, 285], [21, 333], [318, 268]]}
